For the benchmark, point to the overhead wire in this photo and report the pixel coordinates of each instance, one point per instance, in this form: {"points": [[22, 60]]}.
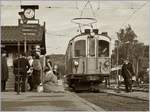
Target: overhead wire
{"points": [[98, 5], [77, 4], [129, 18], [88, 2], [20, 2], [134, 13]]}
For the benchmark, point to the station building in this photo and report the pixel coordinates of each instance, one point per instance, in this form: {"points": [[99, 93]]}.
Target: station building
{"points": [[11, 35], [13, 42]]}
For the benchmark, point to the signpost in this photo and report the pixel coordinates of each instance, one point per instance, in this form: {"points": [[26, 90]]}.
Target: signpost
{"points": [[28, 29]]}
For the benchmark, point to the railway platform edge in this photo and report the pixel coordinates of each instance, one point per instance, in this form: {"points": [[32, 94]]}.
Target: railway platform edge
{"points": [[33, 101]]}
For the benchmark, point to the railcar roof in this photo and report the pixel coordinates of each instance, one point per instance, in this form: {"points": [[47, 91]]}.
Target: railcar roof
{"points": [[82, 34]]}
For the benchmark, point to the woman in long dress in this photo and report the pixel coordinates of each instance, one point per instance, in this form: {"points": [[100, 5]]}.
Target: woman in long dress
{"points": [[50, 82]]}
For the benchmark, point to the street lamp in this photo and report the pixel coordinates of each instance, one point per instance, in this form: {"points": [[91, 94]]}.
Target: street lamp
{"points": [[117, 47]]}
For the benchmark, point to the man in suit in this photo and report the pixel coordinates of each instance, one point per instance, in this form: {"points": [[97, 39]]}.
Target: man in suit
{"points": [[127, 73], [4, 71], [21, 66]]}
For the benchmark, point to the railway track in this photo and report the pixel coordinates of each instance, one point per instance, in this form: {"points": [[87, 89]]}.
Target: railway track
{"points": [[143, 88], [111, 102]]}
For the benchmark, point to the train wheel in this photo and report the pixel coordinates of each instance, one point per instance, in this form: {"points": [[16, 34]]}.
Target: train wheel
{"points": [[94, 87], [91, 88]]}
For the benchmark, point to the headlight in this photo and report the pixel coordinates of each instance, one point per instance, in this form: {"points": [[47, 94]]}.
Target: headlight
{"points": [[92, 34], [55, 67], [76, 63]]}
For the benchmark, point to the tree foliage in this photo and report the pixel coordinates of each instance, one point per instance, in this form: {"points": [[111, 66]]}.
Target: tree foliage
{"points": [[128, 46], [126, 35]]}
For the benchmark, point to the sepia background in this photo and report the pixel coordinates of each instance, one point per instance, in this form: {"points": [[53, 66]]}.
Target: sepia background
{"points": [[111, 16]]}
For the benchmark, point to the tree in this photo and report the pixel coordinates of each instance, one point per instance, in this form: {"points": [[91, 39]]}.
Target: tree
{"points": [[129, 47], [126, 39]]}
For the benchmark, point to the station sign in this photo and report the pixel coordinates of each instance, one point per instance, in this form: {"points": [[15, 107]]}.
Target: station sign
{"points": [[30, 29]]}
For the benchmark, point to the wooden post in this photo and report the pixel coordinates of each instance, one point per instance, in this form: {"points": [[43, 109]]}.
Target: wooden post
{"points": [[18, 69], [25, 44]]}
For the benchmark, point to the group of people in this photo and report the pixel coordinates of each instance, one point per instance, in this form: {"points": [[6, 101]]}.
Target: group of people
{"points": [[23, 67], [30, 69]]}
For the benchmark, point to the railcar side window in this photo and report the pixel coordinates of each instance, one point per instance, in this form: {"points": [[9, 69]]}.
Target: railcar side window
{"points": [[103, 48], [91, 47], [79, 48]]}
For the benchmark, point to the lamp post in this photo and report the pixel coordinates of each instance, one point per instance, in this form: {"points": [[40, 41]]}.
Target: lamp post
{"points": [[18, 75], [117, 45]]}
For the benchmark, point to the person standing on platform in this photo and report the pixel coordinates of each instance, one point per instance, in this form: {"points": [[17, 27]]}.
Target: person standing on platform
{"points": [[4, 71], [30, 72], [127, 73], [21, 66], [37, 69]]}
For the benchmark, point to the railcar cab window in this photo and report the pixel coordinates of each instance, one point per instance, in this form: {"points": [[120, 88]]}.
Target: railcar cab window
{"points": [[80, 48], [103, 48]]}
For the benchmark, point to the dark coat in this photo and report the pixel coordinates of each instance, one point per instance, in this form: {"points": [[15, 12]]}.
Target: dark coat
{"points": [[21, 64], [127, 72], [4, 69]]}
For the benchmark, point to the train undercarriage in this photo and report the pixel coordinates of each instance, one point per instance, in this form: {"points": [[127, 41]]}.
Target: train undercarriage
{"points": [[86, 82]]}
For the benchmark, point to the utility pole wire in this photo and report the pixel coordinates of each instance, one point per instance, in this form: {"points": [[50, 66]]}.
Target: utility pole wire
{"points": [[134, 13], [98, 5], [20, 2], [77, 4], [88, 2]]}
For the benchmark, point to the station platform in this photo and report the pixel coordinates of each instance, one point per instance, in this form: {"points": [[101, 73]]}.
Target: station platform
{"points": [[33, 101]]}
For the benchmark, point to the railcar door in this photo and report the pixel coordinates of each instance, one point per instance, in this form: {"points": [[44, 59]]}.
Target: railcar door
{"points": [[91, 56]]}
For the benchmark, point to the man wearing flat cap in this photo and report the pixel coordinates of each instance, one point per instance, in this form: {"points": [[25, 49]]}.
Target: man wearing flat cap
{"points": [[127, 73], [21, 66]]}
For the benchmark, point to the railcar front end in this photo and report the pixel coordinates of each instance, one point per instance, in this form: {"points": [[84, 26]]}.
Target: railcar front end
{"points": [[88, 60]]}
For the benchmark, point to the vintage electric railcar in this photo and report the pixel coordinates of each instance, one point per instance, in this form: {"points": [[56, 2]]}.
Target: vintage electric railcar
{"points": [[88, 59]]}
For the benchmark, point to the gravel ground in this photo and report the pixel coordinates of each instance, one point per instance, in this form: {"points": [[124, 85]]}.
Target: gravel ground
{"points": [[115, 103]]}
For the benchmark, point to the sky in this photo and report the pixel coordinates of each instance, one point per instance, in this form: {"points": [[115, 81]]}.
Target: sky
{"points": [[110, 16]]}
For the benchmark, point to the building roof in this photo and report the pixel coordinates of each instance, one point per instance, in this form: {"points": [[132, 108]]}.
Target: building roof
{"points": [[13, 34]]}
